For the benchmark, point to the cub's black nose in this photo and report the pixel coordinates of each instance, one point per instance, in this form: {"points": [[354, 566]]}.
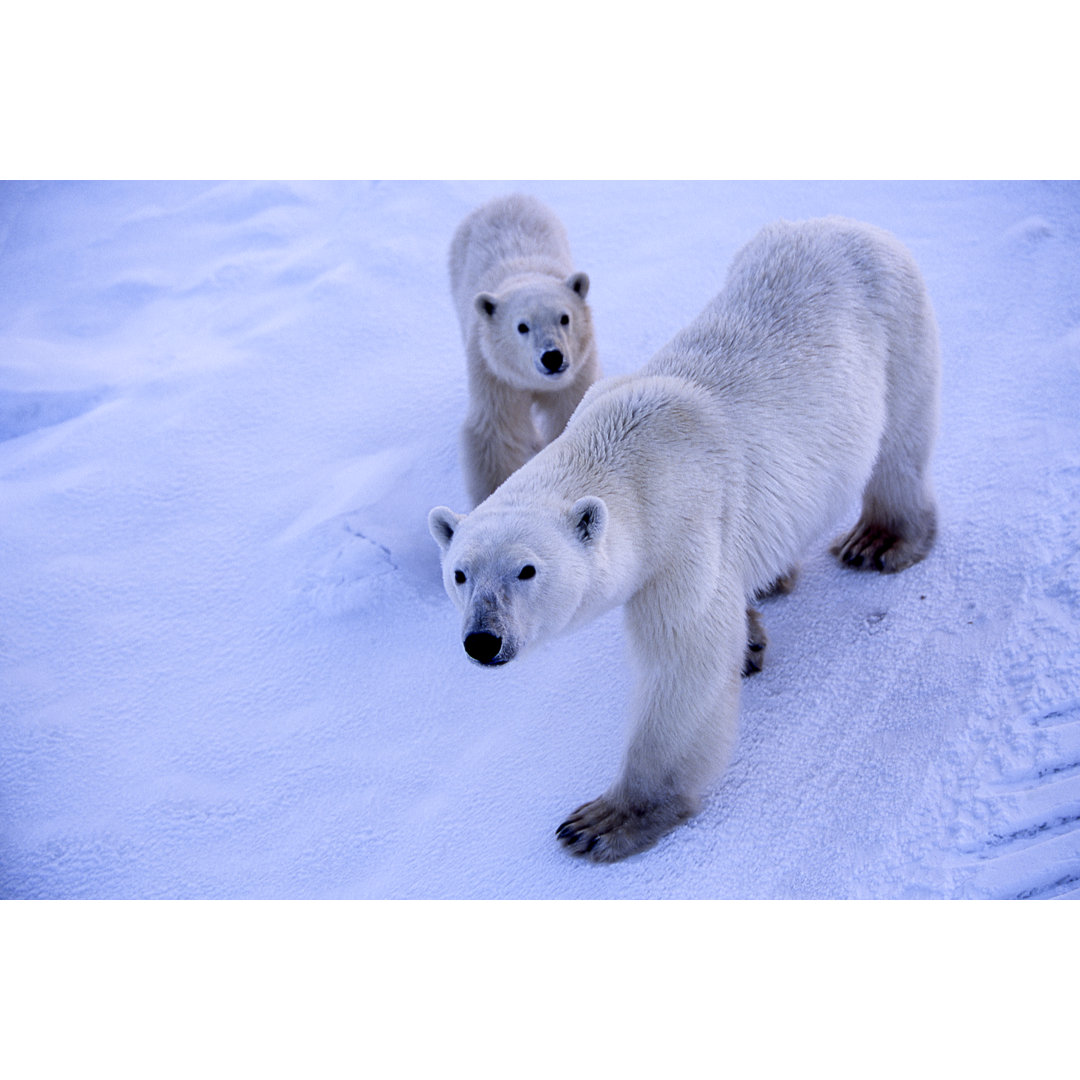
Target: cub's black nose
{"points": [[552, 360], [482, 646]]}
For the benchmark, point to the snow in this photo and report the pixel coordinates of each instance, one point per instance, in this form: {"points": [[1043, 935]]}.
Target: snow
{"points": [[228, 666]]}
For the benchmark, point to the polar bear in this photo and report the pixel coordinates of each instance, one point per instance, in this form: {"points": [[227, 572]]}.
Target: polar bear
{"points": [[528, 335], [684, 490]]}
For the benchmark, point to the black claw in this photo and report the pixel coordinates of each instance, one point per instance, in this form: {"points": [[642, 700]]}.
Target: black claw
{"points": [[591, 844], [756, 646]]}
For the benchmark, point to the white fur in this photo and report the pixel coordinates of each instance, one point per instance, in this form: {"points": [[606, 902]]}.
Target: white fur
{"points": [[683, 490], [510, 267]]}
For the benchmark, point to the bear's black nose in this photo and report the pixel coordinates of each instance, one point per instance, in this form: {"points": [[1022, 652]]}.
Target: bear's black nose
{"points": [[483, 646], [552, 360]]}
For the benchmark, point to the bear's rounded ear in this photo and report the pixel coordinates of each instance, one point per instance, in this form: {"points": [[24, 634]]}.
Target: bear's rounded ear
{"points": [[589, 517], [579, 282], [442, 522], [485, 304]]}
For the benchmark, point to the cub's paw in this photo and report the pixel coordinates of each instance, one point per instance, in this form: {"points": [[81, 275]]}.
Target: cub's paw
{"points": [[874, 547], [756, 640], [605, 830]]}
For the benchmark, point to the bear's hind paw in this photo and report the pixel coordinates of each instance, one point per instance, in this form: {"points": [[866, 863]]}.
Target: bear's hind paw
{"points": [[783, 585], [756, 640], [874, 547], [606, 831]]}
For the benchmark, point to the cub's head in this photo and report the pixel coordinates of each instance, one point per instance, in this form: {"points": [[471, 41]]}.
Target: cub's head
{"points": [[537, 334], [518, 577]]}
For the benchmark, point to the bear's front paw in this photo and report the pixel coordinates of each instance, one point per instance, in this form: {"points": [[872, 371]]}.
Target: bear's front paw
{"points": [[606, 831]]}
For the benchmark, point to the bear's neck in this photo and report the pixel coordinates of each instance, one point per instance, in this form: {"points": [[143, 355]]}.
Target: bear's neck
{"points": [[608, 450]]}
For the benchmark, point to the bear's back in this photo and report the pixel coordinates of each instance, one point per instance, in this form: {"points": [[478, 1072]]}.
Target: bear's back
{"points": [[806, 307]]}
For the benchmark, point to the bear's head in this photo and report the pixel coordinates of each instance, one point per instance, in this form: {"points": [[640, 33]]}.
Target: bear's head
{"points": [[517, 576], [537, 334]]}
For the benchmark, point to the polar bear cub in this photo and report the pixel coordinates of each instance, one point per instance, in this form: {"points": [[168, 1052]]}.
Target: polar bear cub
{"points": [[528, 335], [684, 490]]}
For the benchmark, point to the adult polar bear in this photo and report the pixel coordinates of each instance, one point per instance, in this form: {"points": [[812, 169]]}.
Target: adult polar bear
{"points": [[528, 334], [687, 488]]}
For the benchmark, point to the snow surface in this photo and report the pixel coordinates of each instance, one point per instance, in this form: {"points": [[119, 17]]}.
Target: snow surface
{"points": [[228, 666]]}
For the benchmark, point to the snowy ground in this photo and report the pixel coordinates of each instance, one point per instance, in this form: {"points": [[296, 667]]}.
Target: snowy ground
{"points": [[229, 669]]}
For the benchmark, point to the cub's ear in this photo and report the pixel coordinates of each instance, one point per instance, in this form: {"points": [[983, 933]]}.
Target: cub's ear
{"points": [[589, 517], [443, 522], [579, 282], [485, 304]]}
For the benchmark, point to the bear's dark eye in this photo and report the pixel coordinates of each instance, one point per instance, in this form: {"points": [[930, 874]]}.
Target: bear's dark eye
{"points": [[527, 571], [565, 320], [522, 328], [459, 577]]}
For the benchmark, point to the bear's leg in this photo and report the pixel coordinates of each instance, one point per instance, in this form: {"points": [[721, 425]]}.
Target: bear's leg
{"points": [[489, 456], [498, 437], [898, 522], [556, 408], [684, 728]]}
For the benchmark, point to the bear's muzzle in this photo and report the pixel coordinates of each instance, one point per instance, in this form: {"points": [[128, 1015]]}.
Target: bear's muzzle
{"points": [[552, 362], [484, 648]]}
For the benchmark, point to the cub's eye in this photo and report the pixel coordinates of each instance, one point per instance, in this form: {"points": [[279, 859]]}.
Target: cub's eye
{"points": [[522, 328], [459, 577], [527, 571], [565, 320]]}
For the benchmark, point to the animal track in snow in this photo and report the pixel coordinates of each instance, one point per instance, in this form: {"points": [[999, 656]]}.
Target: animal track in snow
{"points": [[1033, 848], [356, 575]]}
